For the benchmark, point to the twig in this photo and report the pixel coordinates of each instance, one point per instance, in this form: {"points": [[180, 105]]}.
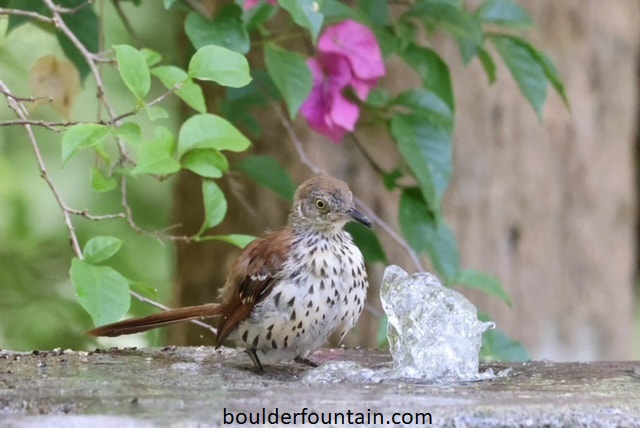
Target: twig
{"points": [[27, 13], [366, 154], [27, 99], [128, 214], [166, 308], [368, 211], [72, 10], [52, 126], [125, 22], [21, 112], [93, 217]]}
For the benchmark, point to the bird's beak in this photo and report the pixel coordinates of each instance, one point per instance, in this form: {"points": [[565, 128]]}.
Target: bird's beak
{"points": [[359, 217]]}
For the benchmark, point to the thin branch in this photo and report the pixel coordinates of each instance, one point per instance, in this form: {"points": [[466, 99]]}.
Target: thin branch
{"points": [[27, 99], [72, 10], [93, 217], [125, 22], [128, 214], [27, 13], [133, 112], [52, 126], [368, 211], [366, 154], [21, 112], [166, 308]]}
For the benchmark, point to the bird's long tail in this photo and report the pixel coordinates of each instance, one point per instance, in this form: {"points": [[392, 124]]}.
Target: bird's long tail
{"points": [[173, 316]]}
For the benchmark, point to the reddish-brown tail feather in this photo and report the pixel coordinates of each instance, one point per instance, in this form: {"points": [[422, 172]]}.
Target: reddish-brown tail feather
{"points": [[137, 325]]}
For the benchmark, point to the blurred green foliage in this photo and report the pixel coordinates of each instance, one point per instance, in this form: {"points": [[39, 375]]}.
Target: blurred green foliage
{"points": [[38, 308]]}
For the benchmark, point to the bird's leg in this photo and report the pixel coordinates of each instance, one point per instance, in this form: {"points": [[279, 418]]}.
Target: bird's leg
{"points": [[305, 361], [256, 362]]}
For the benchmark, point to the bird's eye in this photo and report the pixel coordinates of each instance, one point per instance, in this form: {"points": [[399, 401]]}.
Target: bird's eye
{"points": [[321, 204]]}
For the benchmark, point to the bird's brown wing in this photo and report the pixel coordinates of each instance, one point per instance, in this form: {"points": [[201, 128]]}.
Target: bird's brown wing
{"points": [[252, 278]]}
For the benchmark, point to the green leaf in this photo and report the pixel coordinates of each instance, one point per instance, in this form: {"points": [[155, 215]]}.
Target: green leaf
{"points": [[155, 113], [169, 3], [133, 69], [208, 131], [497, 346], [129, 132], [406, 32], [426, 148], [255, 17], [101, 291], [269, 173], [215, 204], [504, 12], [453, 19], [378, 97], [290, 73], [425, 234], [305, 13], [100, 182], [522, 60], [488, 64], [236, 239], [100, 248], [484, 282], [220, 65], [145, 289], [389, 43], [376, 10], [37, 6], [433, 71], [554, 77], [156, 156], [85, 26], [189, 91], [209, 163], [368, 242], [82, 136], [239, 102], [336, 10], [225, 30], [425, 102], [468, 49], [390, 178], [151, 57]]}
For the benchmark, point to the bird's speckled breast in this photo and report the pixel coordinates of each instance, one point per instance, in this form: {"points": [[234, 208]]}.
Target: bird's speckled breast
{"points": [[322, 289]]}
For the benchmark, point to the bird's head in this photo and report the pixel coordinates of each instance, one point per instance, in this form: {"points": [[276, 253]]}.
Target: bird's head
{"points": [[324, 204]]}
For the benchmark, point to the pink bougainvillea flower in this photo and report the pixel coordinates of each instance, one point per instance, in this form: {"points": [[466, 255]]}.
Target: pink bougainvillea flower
{"points": [[249, 4], [326, 110], [348, 55], [358, 45]]}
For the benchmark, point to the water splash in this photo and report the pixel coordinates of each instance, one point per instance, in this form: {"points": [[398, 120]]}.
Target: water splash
{"points": [[434, 331], [434, 335]]}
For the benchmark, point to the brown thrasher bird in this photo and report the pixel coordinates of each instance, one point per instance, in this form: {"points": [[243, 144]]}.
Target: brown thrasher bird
{"points": [[289, 290]]}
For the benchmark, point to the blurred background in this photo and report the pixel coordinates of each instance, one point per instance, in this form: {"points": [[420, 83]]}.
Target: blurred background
{"points": [[548, 206]]}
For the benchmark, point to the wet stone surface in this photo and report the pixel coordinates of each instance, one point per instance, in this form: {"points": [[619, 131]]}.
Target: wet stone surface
{"points": [[192, 386]]}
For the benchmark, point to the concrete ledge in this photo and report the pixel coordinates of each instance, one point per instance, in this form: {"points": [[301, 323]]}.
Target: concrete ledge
{"points": [[192, 386]]}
